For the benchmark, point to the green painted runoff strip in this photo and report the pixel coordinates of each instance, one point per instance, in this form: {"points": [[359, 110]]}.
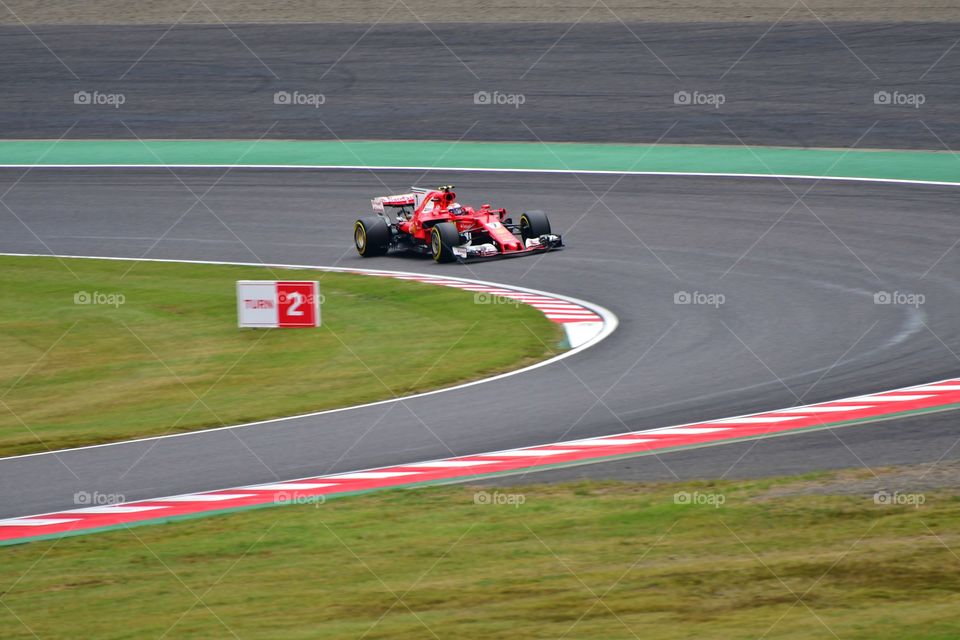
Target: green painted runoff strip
{"points": [[903, 165]]}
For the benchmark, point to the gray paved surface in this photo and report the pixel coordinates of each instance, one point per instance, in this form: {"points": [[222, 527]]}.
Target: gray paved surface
{"points": [[798, 84], [799, 318]]}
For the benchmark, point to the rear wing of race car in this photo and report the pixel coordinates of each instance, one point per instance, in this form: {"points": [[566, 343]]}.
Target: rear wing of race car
{"points": [[414, 198], [399, 200]]}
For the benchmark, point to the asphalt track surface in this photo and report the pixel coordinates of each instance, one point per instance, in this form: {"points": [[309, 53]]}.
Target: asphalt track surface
{"points": [[798, 319], [801, 84]]}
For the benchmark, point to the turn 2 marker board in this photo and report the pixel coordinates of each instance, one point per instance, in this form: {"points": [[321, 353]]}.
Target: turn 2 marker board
{"points": [[271, 304]]}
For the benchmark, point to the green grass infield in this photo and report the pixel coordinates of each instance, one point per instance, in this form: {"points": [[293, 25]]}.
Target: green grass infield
{"points": [[783, 558], [156, 349]]}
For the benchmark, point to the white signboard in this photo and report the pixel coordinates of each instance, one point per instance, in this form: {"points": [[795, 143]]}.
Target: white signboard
{"points": [[272, 303]]}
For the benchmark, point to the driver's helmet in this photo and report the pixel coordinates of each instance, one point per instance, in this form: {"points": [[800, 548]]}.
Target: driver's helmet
{"points": [[455, 209]]}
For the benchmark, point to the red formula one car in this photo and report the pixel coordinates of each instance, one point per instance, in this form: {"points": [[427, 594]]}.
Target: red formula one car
{"points": [[434, 222]]}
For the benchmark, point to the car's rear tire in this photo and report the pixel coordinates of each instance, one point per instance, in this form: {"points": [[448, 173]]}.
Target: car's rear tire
{"points": [[443, 238], [371, 236], [534, 224]]}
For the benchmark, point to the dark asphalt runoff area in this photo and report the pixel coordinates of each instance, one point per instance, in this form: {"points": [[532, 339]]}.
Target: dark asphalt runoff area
{"points": [[794, 84], [798, 319], [798, 279]]}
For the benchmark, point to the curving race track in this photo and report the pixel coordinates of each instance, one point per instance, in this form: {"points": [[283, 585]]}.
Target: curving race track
{"points": [[798, 319]]}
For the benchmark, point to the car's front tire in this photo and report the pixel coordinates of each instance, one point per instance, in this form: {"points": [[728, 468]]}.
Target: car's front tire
{"points": [[443, 238], [534, 224], [371, 236]]}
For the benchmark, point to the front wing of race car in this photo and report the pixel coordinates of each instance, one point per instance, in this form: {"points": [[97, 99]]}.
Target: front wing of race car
{"points": [[490, 251]]}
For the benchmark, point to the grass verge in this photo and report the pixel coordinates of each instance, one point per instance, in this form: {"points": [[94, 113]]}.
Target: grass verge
{"points": [[770, 559], [170, 358]]}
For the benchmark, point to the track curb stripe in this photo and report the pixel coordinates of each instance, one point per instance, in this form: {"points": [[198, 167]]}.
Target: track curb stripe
{"points": [[558, 310], [939, 396]]}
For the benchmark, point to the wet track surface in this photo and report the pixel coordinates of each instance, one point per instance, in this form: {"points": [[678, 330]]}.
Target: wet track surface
{"points": [[798, 319]]}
